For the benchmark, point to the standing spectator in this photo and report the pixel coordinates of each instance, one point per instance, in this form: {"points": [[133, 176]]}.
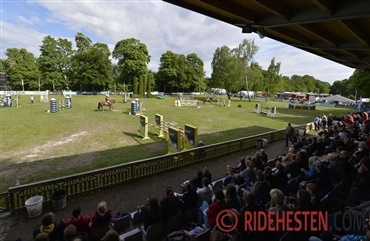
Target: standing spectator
{"points": [[31, 99], [317, 122], [289, 134], [324, 121], [102, 217], [80, 221]]}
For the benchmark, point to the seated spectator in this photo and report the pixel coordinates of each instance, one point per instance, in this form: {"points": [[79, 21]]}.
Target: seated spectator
{"points": [[264, 156], [314, 191], [261, 189], [322, 178], [258, 161], [40, 237], [280, 175], [240, 167], [197, 181], [81, 222], [360, 152], [207, 174], [53, 229], [232, 199], [229, 178], [250, 202], [151, 212], [215, 208], [189, 198], [205, 193], [361, 184], [269, 177], [70, 233], [311, 173], [102, 217], [246, 176], [278, 201], [111, 235], [170, 205]]}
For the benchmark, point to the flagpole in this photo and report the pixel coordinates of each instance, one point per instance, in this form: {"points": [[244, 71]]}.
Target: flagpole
{"points": [[22, 85]]}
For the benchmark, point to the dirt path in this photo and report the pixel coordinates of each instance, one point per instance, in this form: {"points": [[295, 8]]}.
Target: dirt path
{"points": [[127, 196]]}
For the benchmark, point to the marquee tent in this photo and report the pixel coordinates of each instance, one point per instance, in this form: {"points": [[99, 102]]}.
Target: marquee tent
{"points": [[337, 98]]}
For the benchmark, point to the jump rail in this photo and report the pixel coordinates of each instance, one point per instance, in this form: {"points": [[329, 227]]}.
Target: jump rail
{"points": [[92, 181]]}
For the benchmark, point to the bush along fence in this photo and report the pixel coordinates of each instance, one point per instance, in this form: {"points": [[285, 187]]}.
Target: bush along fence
{"points": [[100, 179]]}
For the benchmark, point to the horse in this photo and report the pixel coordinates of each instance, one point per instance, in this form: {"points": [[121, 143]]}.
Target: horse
{"points": [[101, 104]]}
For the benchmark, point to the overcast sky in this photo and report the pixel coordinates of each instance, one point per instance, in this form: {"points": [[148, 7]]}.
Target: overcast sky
{"points": [[159, 25]]}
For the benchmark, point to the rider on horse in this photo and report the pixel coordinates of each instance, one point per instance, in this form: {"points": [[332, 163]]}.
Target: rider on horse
{"points": [[107, 99]]}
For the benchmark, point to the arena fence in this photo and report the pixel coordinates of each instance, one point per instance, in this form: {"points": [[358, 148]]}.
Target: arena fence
{"points": [[92, 181]]}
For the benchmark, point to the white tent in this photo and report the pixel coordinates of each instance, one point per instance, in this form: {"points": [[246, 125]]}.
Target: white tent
{"points": [[337, 98]]}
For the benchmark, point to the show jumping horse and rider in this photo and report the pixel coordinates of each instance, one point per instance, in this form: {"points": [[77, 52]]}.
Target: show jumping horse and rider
{"points": [[107, 102]]}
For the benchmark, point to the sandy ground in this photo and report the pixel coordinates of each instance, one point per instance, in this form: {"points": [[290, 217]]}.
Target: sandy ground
{"points": [[126, 197]]}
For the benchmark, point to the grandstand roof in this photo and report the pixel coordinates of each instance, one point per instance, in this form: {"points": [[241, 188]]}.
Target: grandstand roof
{"points": [[333, 29]]}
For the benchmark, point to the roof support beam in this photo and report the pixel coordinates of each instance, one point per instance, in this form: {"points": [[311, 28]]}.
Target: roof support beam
{"points": [[344, 10], [325, 5], [274, 7], [316, 32], [357, 33], [230, 8]]}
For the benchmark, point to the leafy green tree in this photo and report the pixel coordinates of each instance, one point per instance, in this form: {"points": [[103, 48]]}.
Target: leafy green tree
{"points": [[133, 57], [21, 65], [54, 62], [92, 68], [255, 77], [272, 77], [82, 42], [196, 72], [230, 67], [167, 72], [360, 82]]}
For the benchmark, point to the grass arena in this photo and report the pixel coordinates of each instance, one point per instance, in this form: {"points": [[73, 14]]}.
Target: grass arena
{"points": [[37, 145]]}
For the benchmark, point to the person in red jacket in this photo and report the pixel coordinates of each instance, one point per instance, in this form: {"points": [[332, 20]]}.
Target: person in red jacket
{"points": [[82, 222], [102, 217], [215, 208]]}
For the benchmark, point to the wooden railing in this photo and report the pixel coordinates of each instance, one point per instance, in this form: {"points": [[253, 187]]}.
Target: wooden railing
{"points": [[92, 181]]}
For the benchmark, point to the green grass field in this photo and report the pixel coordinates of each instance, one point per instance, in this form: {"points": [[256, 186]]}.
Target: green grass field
{"points": [[36, 145]]}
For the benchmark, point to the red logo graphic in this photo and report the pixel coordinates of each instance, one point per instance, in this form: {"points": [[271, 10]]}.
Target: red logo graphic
{"points": [[226, 221]]}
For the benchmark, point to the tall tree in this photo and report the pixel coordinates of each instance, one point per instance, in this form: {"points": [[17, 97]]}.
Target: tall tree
{"points": [[272, 77], [92, 68], [133, 57], [20, 67], [196, 72], [54, 62], [167, 71], [82, 42], [230, 67]]}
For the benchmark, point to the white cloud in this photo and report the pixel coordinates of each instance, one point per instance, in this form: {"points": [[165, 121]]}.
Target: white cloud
{"points": [[161, 26]]}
